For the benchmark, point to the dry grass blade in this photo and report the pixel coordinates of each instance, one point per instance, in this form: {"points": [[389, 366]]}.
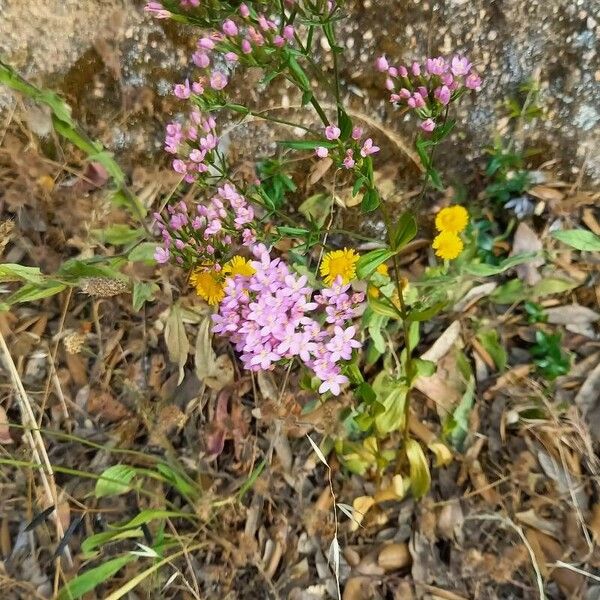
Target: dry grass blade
{"points": [[34, 439]]}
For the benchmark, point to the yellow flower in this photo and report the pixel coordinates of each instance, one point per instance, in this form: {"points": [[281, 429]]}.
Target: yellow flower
{"points": [[238, 265], [373, 291], [208, 284], [447, 245], [339, 263], [382, 269], [452, 219]]}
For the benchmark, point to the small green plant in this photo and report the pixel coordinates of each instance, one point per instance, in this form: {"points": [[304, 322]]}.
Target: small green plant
{"points": [[549, 357], [535, 312]]}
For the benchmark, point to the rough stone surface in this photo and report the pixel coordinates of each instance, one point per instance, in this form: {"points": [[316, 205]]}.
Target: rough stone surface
{"points": [[552, 41]]}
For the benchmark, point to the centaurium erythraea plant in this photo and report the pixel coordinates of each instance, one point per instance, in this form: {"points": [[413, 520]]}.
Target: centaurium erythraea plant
{"points": [[428, 89]]}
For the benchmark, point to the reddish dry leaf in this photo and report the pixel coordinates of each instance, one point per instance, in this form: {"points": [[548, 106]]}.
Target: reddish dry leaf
{"points": [[526, 241], [104, 405]]}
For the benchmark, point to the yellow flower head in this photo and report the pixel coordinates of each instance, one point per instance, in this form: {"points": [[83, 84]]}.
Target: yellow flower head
{"points": [[447, 245], [382, 269], [373, 291], [238, 265], [208, 284], [452, 219], [339, 263]]}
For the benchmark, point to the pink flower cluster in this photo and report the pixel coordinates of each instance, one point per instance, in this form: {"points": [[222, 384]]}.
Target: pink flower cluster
{"points": [[236, 42], [272, 316], [428, 89], [193, 142], [206, 233], [158, 10], [346, 154]]}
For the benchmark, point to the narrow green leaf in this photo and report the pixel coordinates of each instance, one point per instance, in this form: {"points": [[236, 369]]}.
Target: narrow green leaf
{"points": [[87, 581], [306, 144], [370, 200], [114, 481], [143, 291], [16, 272], [368, 263], [484, 270], [30, 292]]}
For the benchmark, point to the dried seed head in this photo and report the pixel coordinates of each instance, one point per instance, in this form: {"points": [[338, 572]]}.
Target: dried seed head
{"points": [[74, 342], [104, 287], [6, 229]]}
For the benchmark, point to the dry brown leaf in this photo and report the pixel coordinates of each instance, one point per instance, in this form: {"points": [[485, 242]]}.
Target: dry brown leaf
{"points": [[223, 373], [543, 192], [361, 506], [594, 522], [318, 170], [176, 339], [588, 401], [5, 438], [204, 356], [357, 588], [104, 405], [450, 521], [571, 314], [531, 519], [527, 241]]}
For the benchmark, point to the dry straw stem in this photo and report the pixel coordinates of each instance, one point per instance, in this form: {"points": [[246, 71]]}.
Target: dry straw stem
{"points": [[35, 441]]}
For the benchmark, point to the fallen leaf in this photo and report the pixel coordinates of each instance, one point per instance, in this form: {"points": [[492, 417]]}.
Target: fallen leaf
{"points": [[571, 314], [104, 405], [222, 375], [543, 192], [204, 356], [176, 339], [527, 241], [531, 519], [360, 506], [5, 437], [588, 401]]}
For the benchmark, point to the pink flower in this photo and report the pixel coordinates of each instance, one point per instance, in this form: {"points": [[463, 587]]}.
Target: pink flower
{"points": [[460, 66], [389, 83], [161, 255], [231, 57], [246, 47], [436, 66], [416, 101], [182, 90], [322, 152], [332, 132], [349, 161], [473, 81], [179, 166], [278, 41], [157, 9], [442, 94], [229, 28], [416, 69], [288, 32], [244, 11], [427, 125], [368, 148], [393, 72], [201, 59], [332, 384], [403, 71], [218, 80], [404, 93], [381, 64], [357, 133], [197, 88], [206, 43]]}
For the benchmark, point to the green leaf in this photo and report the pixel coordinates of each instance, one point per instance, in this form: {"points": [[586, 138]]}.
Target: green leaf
{"points": [[370, 200], [551, 286], [143, 291], [114, 481], [178, 480], [420, 478], [249, 483], [143, 252], [375, 325], [424, 314], [424, 368], [30, 292], [485, 270], [457, 425], [580, 239], [298, 74], [98, 540], [490, 340], [394, 414], [344, 123], [368, 263], [306, 144], [383, 307], [87, 581], [118, 234], [316, 208], [16, 272], [403, 231]]}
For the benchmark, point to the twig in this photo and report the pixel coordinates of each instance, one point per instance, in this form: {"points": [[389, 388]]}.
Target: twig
{"points": [[35, 441]]}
